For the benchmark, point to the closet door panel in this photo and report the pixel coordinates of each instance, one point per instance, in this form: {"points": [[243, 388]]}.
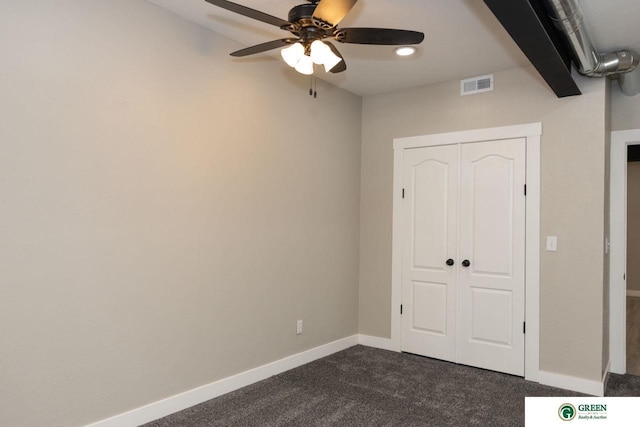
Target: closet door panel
{"points": [[429, 229], [492, 230]]}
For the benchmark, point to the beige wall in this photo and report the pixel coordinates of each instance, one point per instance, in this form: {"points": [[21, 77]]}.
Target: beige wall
{"points": [[633, 226], [607, 224], [165, 216], [625, 110], [625, 114], [572, 198], [165, 222]]}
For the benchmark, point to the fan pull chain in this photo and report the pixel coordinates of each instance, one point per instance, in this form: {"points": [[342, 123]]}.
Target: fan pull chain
{"points": [[313, 86]]}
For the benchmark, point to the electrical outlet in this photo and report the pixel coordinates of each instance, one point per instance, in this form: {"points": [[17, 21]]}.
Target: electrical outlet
{"points": [[299, 327]]}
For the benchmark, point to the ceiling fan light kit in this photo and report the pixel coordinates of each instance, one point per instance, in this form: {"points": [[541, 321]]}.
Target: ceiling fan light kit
{"points": [[302, 59], [311, 24]]}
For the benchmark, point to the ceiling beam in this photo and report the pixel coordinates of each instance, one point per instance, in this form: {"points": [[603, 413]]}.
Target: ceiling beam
{"points": [[531, 28]]}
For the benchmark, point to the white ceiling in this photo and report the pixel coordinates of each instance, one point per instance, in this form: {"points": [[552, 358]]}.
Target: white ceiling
{"points": [[613, 24], [462, 37]]}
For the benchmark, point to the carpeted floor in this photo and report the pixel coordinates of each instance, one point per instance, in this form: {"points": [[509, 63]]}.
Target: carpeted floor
{"points": [[362, 386], [633, 335]]}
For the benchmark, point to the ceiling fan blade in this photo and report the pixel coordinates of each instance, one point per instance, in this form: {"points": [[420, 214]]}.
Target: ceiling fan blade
{"points": [[263, 47], [340, 66], [379, 36], [329, 13], [251, 13]]}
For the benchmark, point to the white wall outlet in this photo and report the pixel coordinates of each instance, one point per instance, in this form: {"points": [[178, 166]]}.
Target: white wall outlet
{"points": [[299, 327], [552, 243]]}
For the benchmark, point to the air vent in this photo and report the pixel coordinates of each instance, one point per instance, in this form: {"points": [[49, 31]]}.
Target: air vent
{"points": [[476, 85]]}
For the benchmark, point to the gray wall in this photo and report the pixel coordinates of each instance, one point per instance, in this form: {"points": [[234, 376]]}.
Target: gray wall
{"points": [[165, 218], [572, 198], [633, 226]]}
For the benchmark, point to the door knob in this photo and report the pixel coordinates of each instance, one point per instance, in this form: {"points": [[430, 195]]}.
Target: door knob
{"points": [[450, 261], [466, 263]]}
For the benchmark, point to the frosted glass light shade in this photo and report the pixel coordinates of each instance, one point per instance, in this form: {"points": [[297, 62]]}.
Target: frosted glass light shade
{"points": [[322, 54], [331, 61], [319, 52], [292, 54], [305, 65]]}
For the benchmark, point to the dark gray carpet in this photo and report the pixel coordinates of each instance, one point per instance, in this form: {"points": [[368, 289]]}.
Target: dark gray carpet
{"points": [[362, 386]]}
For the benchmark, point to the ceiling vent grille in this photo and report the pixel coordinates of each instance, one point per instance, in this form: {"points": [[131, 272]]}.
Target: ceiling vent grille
{"points": [[476, 85]]}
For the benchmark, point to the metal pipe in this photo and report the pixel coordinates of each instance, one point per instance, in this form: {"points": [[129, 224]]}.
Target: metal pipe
{"points": [[630, 82], [568, 19]]}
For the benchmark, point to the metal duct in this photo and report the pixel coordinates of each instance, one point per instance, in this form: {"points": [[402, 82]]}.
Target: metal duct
{"points": [[568, 19], [630, 82]]}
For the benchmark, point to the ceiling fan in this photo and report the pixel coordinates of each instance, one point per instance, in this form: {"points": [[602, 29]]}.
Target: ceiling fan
{"points": [[311, 24]]}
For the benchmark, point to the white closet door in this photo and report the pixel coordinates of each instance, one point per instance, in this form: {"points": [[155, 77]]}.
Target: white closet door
{"points": [[492, 239], [429, 240]]}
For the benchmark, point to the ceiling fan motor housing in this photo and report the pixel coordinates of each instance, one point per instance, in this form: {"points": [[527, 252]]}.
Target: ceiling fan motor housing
{"points": [[305, 26], [302, 12]]}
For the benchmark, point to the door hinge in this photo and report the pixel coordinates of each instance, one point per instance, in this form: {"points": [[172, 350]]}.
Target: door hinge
{"points": [[524, 327], [525, 189], [400, 308], [403, 193]]}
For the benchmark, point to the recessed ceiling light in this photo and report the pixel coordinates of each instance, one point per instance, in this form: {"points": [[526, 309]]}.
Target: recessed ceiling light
{"points": [[405, 51]]}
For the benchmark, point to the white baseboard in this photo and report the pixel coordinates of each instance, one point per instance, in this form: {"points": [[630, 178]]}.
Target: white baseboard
{"points": [[566, 382], [546, 378], [632, 293], [581, 385], [376, 342], [170, 405]]}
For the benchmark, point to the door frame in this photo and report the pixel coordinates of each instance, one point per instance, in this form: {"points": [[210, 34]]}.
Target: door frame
{"points": [[618, 250], [532, 133]]}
